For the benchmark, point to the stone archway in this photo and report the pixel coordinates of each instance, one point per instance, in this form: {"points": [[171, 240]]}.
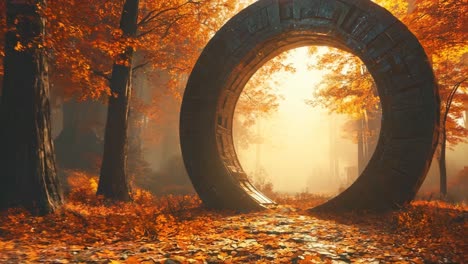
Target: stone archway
{"points": [[393, 56]]}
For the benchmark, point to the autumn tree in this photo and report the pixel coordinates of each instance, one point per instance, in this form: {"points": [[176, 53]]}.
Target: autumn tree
{"points": [[257, 100], [113, 182], [80, 74], [446, 45], [86, 39], [444, 42], [26, 151], [180, 29], [348, 88]]}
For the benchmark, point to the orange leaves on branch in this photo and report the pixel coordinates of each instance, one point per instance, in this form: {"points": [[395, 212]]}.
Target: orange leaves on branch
{"points": [[447, 48], [72, 33], [84, 39], [347, 90], [173, 33], [259, 99], [399, 8], [347, 87]]}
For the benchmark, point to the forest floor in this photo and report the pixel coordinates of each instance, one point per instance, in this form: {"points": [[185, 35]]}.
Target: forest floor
{"points": [[178, 230]]}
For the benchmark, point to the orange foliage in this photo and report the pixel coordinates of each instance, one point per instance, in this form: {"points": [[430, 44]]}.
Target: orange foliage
{"points": [[300, 201], [177, 228], [347, 90], [82, 186], [258, 99], [433, 218], [180, 29], [83, 40], [170, 229], [347, 87], [447, 48]]}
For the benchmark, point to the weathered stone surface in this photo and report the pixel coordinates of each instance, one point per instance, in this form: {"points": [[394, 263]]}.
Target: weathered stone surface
{"points": [[393, 56]]}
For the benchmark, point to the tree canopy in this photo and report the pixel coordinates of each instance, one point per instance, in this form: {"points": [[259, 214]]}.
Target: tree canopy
{"points": [[349, 88]]}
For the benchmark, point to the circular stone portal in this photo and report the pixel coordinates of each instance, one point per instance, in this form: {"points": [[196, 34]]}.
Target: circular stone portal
{"points": [[393, 56]]}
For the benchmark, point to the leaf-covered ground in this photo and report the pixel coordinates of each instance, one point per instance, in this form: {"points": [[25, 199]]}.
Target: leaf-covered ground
{"points": [[178, 230]]}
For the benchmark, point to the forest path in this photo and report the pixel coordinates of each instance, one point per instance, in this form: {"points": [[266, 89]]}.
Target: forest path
{"points": [[424, 233]]}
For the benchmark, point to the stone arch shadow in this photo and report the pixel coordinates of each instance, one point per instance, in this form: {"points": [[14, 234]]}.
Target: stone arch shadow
{"points": [[392, 54]]}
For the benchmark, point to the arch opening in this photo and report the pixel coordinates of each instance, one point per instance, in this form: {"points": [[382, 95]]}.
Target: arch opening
{"points": [[394, 58], [288, 137]]}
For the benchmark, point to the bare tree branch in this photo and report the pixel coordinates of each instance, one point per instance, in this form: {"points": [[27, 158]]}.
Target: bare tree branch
{"points": [[169, 26], [139, 66], [153, 14], [450, 99]]}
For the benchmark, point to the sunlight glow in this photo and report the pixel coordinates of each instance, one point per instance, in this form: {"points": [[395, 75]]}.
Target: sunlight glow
{"points": [[295, 151]]}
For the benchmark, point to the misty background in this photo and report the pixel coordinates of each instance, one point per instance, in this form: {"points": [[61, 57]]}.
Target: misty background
{"points": [[300, 148]]}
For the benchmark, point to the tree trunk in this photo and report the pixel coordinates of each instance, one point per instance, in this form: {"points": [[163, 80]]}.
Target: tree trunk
{"points": [[113, 182], [28, 173], [360, 145], [443, 139], [442, 163], [466, 117]]}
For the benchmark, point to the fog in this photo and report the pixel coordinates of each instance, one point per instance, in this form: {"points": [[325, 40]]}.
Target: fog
{"points": [[304, 148], [301, 148], [299, 141]]}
